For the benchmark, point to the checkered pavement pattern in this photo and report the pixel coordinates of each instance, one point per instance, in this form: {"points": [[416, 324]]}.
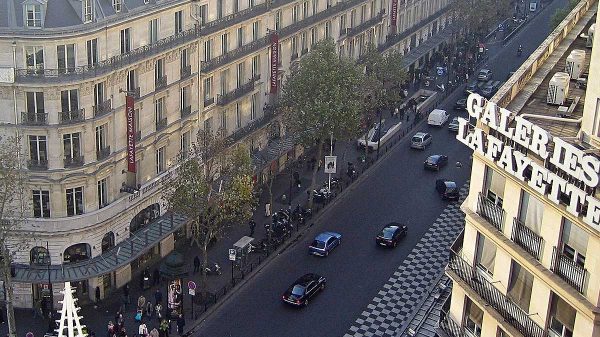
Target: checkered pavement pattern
{"points": [[405, 289]]}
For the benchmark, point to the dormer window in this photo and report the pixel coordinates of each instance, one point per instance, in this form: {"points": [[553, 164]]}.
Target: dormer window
{"points": [[88, 14], [33, 16], [117, 5]]}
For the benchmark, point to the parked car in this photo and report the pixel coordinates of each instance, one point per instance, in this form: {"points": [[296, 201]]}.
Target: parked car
{"points": [[437, 117], [471, 88], [391, 234], [303, 289], [447, 189], [484, 75], [461, 104], [436, 162], [325, 243], [453, 126], [420, 140], [490, 89]]}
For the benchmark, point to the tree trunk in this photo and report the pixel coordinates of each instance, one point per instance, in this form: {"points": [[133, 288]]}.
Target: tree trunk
{"points": [[314, 173], [8, 287]]}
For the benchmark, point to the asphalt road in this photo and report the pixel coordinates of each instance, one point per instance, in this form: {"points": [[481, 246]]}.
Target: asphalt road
{"points": [[398, 189]]}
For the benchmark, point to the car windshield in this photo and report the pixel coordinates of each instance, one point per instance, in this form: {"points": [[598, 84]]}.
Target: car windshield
{"points": [[388, 232], [432, 160], [298, 290], [450, 185], [416, 139], [318, 244]]}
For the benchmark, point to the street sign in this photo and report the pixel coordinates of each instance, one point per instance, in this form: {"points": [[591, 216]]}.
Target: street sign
{"points": [[440, 71], [231, 254], [192, 285], [331, 164], [192, 292]]}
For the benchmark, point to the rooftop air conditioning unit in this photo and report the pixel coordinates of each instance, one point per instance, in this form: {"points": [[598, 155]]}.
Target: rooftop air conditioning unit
{"points": [[574, 64], [590, 37], [558, 88]]}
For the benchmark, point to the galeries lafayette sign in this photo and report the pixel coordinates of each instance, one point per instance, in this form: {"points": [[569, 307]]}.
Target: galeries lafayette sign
{"points": [[576, 163]]}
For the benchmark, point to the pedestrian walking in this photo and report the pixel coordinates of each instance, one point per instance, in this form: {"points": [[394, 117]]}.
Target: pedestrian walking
{"points": [[126, 293], [158, 296], [149, 309], [143, 330], [158, 310], [156, 277], [252, 225], [180, 324], [196, 264], [267, 209], [154, 333], [97, 296]]}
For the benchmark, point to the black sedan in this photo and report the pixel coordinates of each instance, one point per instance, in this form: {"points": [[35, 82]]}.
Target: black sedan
{"points": [[303, 289], [435, 162], [391, 234], [447, 189]]}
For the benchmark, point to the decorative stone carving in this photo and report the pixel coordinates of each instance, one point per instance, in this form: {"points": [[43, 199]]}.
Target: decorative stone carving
{"points": [[193, 48], [85, 89], [52, 94], [171, 56]]}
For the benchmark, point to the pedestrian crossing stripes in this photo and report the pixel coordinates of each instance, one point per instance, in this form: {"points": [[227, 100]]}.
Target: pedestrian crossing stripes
{"points": [[395, 302]]}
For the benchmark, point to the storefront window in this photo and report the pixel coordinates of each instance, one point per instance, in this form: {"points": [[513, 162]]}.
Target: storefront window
{"points": [[144, 217], [77, 253], [39, 256]]}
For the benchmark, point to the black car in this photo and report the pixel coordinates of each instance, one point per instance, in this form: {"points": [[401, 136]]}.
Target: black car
{"points": [[447, 189], [435, 162], [391, 234], [461, 104], [303, 289]]}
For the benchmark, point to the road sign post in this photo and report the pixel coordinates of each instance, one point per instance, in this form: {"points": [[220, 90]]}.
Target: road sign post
{"points": [[232, 257], [192, 292]]}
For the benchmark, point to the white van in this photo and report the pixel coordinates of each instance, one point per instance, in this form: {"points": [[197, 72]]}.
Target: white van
{"points": [[437, 117]]}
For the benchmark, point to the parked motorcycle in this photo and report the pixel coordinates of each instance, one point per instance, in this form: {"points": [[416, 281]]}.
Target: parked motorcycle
{"points": [[212, 268]]}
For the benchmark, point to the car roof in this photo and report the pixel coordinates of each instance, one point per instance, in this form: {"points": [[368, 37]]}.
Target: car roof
{"points": [[435, 156], [449, 183], [325, 235], [420, 134], [304, 279], [394, 224]]}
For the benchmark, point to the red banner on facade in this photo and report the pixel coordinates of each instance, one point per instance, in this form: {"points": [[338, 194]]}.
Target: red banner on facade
{"points": [[394, 15], [274, 62], [130, 113]]}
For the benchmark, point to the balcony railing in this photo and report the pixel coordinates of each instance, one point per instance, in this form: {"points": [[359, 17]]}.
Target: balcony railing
{"points": [[70, 117], [103, 153], [249, 128], [161, 124], [160, 82], [76, 161], [509, 310], [34, 118], [527, 239], [209, 101], [568, 270], [238, 53], [237, 93], [186, 111], [103, 108], [37, 164], [135, 93], [490, 211], [365, 25], [396, 38], [186, 72], [450, 327]]}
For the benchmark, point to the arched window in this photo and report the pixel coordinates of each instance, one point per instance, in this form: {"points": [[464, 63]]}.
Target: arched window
{"points": [[108, 241], [39, 256], [77, 253], [144, 217]]}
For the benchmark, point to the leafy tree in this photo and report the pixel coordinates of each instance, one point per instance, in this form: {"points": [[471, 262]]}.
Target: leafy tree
{"points": [[213, 189], [561, 13], [322, 98], [478, 16]]}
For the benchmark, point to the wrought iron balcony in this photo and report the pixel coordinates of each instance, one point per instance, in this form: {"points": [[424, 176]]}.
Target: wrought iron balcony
{"points": [[365, 25], [34, 118], [70, 117], [237, 93], [209, 101], [509, 310], [160, 82], [450, 327], [490, 211], [568, 270], [161, 124], [186, 111], [135, 92], [186, 72], [76, 161], [527, 239], [238, 53], [103, 108], [103, 153], [37, 164], [396, 38], [249, 128]]}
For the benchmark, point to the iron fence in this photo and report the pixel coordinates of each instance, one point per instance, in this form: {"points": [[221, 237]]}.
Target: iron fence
{"points": [[568, 270], [490, 211], [527, 239]]}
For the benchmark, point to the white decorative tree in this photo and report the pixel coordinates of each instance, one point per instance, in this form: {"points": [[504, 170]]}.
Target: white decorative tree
{"points": [[69, 316]]}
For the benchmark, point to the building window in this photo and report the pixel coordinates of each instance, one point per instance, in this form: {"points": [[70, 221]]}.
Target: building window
{"points": [[494, 186], [138, 127], [117, 5], [102, 189], [184, 63], [186, 141], [473, 320], [33, 16], [125, 40], [161, 163], [38, 152], [99, 94], [313, 36], [520, 285], [153, 31], [294, 47], [184, 97], [250, 3], [34, 58], [92, 51], [315, 6], [86, 7], [304, 9], [342, 24], [35, 104], [208, 90], [574, 242], [363, 13], [74, 201], [224, 81], [531, 212], [101, 136], [255, 30], [219, 9], [224, 43], [208, 50], [236, 6], [254, 106], [66, 58], [132, 81], [485, 256], [295, 12], [238, 116], [240, 36], [39, 256], [278, 20], [208, 125], [562, 317], [241, 73], [372, 10], [41, 204], [256, 65], [352, 18], [159, 69], [69, 100], [224, 119], [159, 109], [201, 14], [72, 145], [328, 29], [178, 22]]}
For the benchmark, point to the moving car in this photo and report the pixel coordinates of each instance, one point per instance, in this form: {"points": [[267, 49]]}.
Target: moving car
{"points": [[420, 140], [461, 104], [303, 289], [447, 189], [453, 126], [436, 162], [484, 75], [437, 117], [324, 243], [391, 234]]}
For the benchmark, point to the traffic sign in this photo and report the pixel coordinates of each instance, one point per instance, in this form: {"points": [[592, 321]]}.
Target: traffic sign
{"points": [[231, 254], [192, 291], [192, 285]]}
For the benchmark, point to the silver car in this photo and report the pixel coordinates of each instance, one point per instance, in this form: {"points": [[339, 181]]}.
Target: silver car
{"points": [[420, 140], [484, 75]]}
